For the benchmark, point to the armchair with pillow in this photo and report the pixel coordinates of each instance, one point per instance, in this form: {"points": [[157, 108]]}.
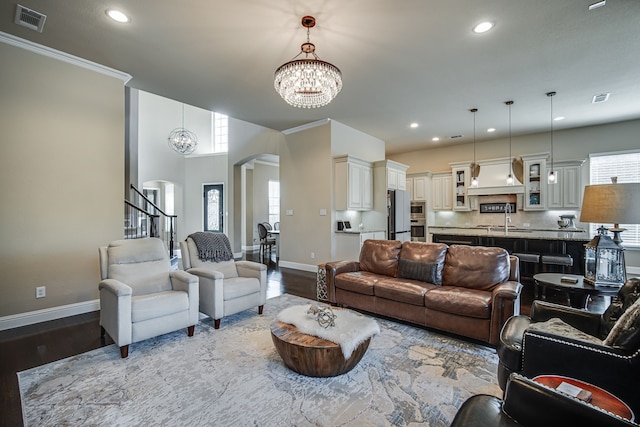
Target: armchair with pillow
{"points": [[603, 350], [226, 286], [140, 297]]}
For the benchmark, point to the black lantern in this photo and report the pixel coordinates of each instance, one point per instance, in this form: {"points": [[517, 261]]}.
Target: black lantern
{"points": [[604, 261]]}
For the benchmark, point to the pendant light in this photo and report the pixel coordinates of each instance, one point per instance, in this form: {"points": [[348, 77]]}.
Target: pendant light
{"points": [[474, 178], [182, 140], [510, 180], [552, 178], [308, 82]]}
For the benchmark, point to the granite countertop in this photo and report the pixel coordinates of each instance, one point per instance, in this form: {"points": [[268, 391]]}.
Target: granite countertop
{"points": [[358, 231], [516, 232]]}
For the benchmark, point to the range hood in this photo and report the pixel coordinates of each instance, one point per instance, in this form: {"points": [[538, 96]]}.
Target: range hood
{"points": [[499, 189], [492, 179]]}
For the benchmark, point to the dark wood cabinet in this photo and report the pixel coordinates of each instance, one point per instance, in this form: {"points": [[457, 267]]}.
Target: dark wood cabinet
{"points": [[453, 239]]}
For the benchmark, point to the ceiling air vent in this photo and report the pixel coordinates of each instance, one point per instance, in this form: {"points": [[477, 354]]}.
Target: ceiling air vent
{"points": [[603, 97], [29, 18], [455, 136]]}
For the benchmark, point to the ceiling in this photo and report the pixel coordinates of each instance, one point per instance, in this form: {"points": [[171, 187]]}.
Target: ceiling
{"points": [[402, 61]]}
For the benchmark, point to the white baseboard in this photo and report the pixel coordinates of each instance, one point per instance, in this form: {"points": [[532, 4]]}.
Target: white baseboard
{"points": [[298, 266], [633, 271], [46, 314]]}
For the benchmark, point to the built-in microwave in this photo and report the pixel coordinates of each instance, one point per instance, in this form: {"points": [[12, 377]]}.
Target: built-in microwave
{"points": [[418, 210]]}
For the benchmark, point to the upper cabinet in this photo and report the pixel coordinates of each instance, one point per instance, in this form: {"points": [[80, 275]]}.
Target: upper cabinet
{"points": [[567, 193], [441, 191], [535, 182], [396, 174], [461, 175], [418, 187], [353, 184]]}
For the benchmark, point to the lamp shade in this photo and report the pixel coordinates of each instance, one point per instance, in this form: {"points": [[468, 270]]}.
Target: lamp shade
{"points": [[611, 204]]}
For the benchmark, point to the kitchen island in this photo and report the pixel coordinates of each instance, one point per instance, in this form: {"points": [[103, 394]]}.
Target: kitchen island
{"points": [[518, 240]]}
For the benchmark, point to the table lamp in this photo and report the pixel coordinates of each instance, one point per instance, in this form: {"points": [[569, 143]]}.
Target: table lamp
{"points": [[608, 204]]}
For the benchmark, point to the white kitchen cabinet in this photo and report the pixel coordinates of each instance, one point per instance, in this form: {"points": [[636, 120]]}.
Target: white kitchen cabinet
{"points": [[353, 184], [441, 190], [461, 176], [535, 182], [371, 235], [396, 174], [417, 187], [567, 193]]}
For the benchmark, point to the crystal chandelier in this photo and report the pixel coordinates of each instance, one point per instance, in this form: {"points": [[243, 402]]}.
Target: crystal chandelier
{"points": [[182, 140], [308, 82]]}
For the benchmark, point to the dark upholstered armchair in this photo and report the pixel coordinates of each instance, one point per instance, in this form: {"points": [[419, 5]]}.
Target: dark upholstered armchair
{"points": [[527, 403], [603, 350]]}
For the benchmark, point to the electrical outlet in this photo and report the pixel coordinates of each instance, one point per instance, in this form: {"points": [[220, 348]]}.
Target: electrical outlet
{"points": [[41, 292], [313, 255]]}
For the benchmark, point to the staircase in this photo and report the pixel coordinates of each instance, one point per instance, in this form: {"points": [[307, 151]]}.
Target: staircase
{"points": [[142, 218]]}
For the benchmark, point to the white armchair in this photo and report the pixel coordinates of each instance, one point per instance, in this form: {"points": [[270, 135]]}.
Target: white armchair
{"points": [[226, 287], [140, 297]]}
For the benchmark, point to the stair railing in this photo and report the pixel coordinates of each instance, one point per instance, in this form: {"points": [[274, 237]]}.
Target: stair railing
{"points": [[151, 220]]}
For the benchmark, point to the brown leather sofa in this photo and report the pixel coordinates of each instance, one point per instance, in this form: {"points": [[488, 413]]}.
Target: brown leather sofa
{"points": [[465, 290]]}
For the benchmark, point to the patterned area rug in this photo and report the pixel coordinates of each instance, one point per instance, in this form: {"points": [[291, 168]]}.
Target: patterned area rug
{"points": [[234, 376]]}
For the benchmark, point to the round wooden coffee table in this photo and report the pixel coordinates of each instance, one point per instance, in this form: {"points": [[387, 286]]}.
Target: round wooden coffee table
{"points": [[312, 356]]}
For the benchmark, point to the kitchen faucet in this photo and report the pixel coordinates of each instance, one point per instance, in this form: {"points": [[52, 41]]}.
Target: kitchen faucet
{"points": [[507, 217]]}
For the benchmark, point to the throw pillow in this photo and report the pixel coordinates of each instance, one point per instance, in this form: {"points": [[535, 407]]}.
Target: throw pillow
{"points": [[626, 327], [416, 270], [557, 326]]}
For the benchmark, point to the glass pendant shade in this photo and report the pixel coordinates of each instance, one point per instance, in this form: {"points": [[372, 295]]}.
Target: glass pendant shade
{"points": [[510, 180], [308, 82]]}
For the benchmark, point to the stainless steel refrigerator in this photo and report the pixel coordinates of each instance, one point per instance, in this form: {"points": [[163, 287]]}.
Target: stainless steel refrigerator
{"points": [[399, 215]]}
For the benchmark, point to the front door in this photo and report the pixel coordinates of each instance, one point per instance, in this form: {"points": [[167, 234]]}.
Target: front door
{"points": [[213, 208]]}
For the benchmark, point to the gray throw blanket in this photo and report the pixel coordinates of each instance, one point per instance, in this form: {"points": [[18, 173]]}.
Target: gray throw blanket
{"points": [[212, 246]]}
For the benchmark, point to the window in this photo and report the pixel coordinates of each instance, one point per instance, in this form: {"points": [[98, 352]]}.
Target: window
{"points": [[274, 202], [220, 133], [213, 208], [625, 166]]}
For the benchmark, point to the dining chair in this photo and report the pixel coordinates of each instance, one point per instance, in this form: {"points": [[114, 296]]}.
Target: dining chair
{"points": [[265, 240]]}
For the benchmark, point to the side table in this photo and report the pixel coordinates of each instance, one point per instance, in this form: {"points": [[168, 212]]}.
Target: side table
{"points": [[600, 398], [577, 293]]}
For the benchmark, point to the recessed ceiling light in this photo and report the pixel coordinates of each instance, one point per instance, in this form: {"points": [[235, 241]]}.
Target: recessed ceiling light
{"points": [[118, 16], [483, 27], [435, 139], [413, 125], [491, 130], [557, 119]]}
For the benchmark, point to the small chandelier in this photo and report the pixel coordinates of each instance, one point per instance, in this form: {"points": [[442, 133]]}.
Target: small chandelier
{"points": [[182, 140], [308, 82], [474, 169]]}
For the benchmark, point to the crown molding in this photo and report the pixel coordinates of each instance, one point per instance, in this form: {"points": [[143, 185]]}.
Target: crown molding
{"points": [[62, 56]]}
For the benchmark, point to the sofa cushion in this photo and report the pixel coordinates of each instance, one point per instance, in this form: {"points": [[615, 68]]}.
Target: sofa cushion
{"points": [[460, 301], [380, 257], [402, 290], [160, 304], [422, 259], [361, 282], [475, 267]]}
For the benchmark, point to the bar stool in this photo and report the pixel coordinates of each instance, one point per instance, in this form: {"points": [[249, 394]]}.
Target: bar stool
{"points": [[529, 258], [565, 261]]}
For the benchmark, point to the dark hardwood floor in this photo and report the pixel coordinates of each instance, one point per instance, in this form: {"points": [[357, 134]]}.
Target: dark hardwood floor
{"points": [[34, 345]]}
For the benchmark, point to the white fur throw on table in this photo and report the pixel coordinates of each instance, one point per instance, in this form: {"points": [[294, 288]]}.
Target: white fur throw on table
{"points": [[351, 328]]}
